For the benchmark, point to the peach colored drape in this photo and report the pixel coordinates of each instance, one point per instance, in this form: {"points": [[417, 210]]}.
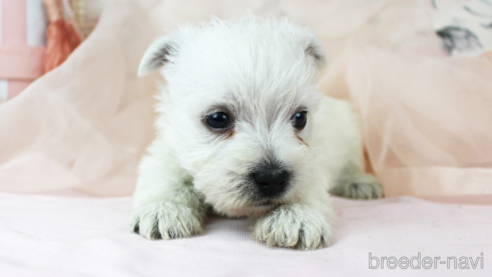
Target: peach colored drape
{"points": [[426, 118], [84, 125]]}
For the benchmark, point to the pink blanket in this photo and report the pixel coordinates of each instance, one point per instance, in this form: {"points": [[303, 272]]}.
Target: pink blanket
{"points": [[56, 236]]}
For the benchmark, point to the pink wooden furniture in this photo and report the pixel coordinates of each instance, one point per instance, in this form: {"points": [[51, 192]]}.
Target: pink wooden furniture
{"points": [[22, 40]]}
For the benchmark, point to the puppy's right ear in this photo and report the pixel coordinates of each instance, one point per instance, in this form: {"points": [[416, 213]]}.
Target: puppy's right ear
{"points": [[156, 56]]}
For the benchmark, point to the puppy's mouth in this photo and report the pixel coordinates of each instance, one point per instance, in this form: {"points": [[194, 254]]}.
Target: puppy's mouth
{"points": [[264, 204], [269, 203]]}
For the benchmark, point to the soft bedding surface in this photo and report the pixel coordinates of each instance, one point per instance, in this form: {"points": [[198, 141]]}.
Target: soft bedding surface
{"points": [[81, 236]]}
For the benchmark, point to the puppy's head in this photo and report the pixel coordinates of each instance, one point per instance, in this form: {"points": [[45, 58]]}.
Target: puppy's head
{"points": [[237, 109]]}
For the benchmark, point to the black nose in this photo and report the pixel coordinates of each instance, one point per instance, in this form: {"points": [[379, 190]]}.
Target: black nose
{"points": [[271, 182]]}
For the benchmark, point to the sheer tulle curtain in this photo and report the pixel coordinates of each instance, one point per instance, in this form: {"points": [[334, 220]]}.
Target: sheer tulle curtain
{"points": [[425, 117]]}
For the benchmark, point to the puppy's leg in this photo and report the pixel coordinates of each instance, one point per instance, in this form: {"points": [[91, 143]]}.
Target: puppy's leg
{"points": [[350, 180], [339, 135], [353, 182], [166, 205], [304, 226]]}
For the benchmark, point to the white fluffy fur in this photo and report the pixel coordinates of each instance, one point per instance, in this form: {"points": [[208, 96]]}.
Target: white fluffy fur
{"points": [[263, 70]]}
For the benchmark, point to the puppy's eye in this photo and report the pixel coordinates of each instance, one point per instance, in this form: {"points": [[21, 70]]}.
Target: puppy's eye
{"points": [[299, 120], [218, 120]]}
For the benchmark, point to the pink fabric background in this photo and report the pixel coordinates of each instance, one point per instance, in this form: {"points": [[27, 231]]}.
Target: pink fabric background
{"points": [[83, 127], [425, 117]]}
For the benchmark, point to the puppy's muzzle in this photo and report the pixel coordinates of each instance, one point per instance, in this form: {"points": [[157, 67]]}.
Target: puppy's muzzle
{"points": [[271, 182]]}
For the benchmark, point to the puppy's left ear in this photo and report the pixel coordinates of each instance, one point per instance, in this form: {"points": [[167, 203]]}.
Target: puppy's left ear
{"points": [[315, 50], [157, 55]]}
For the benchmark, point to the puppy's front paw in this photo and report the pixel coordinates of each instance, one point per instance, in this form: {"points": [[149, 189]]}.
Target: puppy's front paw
{"points": [[166, 220], [293, 226]]}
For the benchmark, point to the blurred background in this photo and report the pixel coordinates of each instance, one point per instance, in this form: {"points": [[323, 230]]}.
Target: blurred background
{"points": [[74, 115], [463, 27]]}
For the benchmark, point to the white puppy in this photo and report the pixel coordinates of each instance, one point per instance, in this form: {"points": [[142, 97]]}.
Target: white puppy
{"points": [[242, 131]]}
